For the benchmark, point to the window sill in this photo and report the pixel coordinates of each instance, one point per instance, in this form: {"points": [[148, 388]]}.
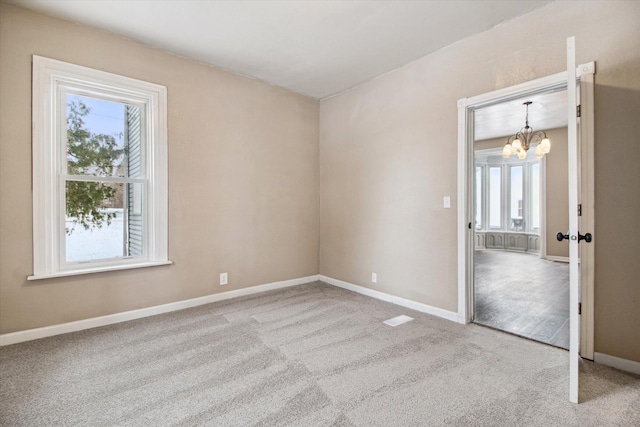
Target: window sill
{"points": [[98, 270]]}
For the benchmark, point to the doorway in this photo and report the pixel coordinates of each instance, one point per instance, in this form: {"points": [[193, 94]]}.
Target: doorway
{"points": [[580, 130], [467, 108], [520, 272]]}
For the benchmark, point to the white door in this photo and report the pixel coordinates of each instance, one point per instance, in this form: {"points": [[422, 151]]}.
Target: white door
{"points": [[580, 267], [574, 279]]}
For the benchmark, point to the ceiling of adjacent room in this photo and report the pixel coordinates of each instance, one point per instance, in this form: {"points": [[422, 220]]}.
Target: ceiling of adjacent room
{"points": [[316, 48], [547, 111]]}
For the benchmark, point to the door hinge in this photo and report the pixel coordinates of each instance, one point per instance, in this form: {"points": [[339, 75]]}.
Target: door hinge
{"points": [[579, 308], [580, 209], [578, 111]]}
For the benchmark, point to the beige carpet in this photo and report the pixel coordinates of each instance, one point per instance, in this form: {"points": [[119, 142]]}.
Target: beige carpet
{"points": [[308, 355]]}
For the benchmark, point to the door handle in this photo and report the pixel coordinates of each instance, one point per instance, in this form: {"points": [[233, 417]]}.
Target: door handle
{"points": [[587, 237]]}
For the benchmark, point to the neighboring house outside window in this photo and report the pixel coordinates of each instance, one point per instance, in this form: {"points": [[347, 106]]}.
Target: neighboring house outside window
{"points": [[99, 171]]}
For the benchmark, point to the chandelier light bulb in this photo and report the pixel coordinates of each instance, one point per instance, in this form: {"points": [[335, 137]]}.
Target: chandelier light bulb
{"points": [[522, 154], [516, 145], [546, 145], [539, 151], [506, 151]]}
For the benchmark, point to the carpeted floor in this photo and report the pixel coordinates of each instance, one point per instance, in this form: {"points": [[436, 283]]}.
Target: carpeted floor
{"points": [[307, 355]]}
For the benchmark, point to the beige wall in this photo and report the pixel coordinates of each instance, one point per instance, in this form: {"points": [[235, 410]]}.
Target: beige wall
{"points": [[243, 178], [243, 160], [557, 182], [388, 156]]}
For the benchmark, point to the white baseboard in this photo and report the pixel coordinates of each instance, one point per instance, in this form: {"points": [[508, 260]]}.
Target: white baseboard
{"points": [[95, 322], [617, 362], [79, 325], [424, 308], [558, 258]]}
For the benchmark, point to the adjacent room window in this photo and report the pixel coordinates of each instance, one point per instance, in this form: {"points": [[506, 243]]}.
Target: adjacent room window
{"points": [[478, 198], [507, 194], [495, 197], [99, 171], [534, 182], [516, 220]]}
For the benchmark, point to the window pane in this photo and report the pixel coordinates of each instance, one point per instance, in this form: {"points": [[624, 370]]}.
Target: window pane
{"points": [[95, 218], [103, 138], [134, 219], [495, 199], [133, 142], [478, 198], [516, 221], [535, 196]]}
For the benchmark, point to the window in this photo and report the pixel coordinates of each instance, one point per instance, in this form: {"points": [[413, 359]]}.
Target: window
{"points": [[516, 221], [507, 193], [495, 197], [478, 198], [99, 171], [534, 182]]}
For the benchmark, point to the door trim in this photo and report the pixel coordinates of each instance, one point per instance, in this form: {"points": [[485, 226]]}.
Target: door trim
{"points": [[466, 106]]}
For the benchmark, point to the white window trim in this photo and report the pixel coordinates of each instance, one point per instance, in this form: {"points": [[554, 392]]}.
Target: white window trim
{"points": [[483, 160], [50, 77]]}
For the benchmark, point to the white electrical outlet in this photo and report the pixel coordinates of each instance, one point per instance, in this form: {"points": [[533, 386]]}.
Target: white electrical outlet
{"points": [[374, 277], [224, 279], [447, 202]]}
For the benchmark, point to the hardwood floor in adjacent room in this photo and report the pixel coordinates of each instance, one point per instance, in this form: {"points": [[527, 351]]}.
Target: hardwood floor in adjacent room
{"points": [[522, 294]]}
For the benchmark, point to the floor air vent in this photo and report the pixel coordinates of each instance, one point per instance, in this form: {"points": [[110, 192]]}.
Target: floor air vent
{"points": [[398, 320]]}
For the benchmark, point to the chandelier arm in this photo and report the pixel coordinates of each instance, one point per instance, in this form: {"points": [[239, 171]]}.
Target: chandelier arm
{"points": [[523, 136], [537, 137]]}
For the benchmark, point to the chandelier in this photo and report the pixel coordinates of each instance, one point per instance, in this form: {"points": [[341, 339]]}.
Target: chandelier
{"points": [[520, 143]]}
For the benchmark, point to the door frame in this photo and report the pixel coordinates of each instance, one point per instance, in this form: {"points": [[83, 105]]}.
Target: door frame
{"points": [[586, 182], [466, 108]]}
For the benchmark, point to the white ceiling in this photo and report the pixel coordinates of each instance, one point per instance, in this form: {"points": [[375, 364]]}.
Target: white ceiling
{"points": [[316, 48], [548, 111]]}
